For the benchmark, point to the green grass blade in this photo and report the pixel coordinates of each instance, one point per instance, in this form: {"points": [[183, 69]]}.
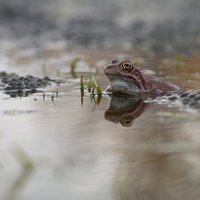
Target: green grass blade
{"points": [[57, 93], [82, 85], [73, 65], [43, 96], [82, 95], [90, 84], [96, 85], [94, 106]]}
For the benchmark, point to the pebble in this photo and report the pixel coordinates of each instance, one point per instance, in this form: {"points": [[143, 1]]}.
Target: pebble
{"points": [[192, 95], [183, 95], [172, 98], [194, 105], [14, 82], [197, 98], [185, 101]]}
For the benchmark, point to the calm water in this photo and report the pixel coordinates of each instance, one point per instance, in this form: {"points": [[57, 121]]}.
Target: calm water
{"points": [[62, 149]]}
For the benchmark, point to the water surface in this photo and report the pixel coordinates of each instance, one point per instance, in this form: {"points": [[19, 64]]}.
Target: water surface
{"points": [[63, 149]]}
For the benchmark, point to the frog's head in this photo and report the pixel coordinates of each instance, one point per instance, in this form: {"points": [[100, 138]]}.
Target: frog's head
{"points": [[125, 77]]}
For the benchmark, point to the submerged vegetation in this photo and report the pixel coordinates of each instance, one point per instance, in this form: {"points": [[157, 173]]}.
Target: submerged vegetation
{"points": [[92, 85]]}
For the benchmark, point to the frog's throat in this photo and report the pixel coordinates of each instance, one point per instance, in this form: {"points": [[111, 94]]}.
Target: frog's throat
{"points": [[124, 82]]}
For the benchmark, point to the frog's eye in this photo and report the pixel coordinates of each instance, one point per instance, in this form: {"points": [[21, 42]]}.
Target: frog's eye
{"points": [[127, 66], [127, 121]]}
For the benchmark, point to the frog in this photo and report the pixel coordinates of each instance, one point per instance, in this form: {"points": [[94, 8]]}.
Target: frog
{"points": [[126, 78]]}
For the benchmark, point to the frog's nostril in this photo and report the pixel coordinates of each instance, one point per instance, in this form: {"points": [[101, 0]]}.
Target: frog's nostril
{"points": [[114, 61]]}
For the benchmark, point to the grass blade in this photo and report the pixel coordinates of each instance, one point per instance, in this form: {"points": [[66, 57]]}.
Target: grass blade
{"points": [[57, 92], [73, 65], [82, 85], [90, 84], [96, 86]]}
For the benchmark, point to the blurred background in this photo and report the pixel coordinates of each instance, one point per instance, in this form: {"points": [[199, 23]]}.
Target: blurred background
{"points": [[60, 148], [164, 27], [64, 147]]}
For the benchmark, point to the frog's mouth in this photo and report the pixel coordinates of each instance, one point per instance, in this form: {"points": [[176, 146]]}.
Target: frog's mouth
{"points": [[123, 82]]}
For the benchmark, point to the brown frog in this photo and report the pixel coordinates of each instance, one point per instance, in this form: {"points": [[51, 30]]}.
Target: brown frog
{"points": [[126, 78]]}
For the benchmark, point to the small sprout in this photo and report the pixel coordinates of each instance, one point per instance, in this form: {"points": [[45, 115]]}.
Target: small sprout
{"points": [[93, 89], [73, 65], [52, 98], [91, 97], [96, 86], [178, 62], [43, 96], [57, 92], [99, 91], [90, 84], [82, 85], [82, 90], [98, 100], [82, 95], [94, 106]]}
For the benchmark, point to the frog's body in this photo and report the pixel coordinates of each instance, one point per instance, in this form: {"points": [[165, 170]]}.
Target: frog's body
{"points": [[126, 78]]}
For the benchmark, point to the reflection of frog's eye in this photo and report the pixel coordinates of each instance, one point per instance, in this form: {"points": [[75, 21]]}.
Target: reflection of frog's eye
{"points": [[127, 121], [126, 66]]}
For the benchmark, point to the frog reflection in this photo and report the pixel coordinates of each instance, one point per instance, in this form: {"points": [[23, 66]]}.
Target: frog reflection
{"points": [[126, 108]]}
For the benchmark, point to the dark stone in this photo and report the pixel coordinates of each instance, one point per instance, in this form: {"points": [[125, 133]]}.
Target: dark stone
{"points": [[183, 95], [180, 93], [12, 83], [47, 78], [58, 82], [33, 90], [185, 101], [32, 85], [172, 98], [14, 79], [3, 74], [192, 95], [20, 85], [29, 76], [197, 92], [5, 80], [21, 78], [8, 88], [197, 98], [39, 85], [194, 105], [24, 85]]}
